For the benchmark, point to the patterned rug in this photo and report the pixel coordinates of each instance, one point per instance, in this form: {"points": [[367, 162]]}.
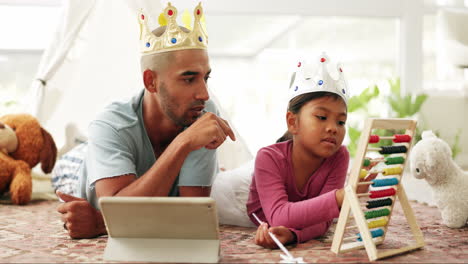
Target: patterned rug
{"points": [[34, 234]]}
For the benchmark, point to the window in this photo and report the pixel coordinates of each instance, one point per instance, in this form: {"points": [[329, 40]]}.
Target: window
{"points": [[439, 73], [252, 82], [253, 56], [26, 31], [18, 69]]}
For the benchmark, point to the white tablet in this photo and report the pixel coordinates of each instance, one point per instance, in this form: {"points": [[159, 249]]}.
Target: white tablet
{"points": [[161, 229]]}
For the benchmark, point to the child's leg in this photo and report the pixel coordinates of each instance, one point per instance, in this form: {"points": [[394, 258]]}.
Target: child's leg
{"points": [[65, 173]]}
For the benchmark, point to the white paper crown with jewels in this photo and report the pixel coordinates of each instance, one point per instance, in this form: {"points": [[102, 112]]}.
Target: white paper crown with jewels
{"points": [[173, 38], [303, 82]]}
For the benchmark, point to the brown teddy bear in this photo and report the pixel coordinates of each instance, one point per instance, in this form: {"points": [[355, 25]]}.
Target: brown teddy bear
{"points": [[23, 144]]}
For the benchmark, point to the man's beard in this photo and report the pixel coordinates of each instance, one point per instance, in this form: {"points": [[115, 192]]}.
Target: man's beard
{"points": [[169, 106]]}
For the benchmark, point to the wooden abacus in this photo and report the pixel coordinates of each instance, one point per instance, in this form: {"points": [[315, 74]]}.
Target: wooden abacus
{"points": [[373, 232]]}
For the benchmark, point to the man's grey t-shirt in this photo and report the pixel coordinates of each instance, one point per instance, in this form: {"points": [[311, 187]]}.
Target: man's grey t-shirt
{"points": [[119, 145]]}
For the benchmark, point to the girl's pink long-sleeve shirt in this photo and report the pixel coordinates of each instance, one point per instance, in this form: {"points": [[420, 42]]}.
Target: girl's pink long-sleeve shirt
{"points": [[274, 196]]}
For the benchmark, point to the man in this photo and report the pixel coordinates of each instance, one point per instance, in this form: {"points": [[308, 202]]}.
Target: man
{"points": [[162, 142]]}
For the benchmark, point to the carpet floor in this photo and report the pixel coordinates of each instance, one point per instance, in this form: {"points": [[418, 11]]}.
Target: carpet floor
{"points": [[34, 234]]}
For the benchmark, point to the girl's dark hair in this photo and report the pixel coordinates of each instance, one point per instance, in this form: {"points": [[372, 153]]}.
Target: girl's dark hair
{"points": [[299, 101]]}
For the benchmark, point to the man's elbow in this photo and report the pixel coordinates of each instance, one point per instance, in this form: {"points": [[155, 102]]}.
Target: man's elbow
{"points": [[195, 191]]}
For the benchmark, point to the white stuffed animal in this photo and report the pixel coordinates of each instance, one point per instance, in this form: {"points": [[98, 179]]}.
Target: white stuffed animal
{"points": [[431, 159]]}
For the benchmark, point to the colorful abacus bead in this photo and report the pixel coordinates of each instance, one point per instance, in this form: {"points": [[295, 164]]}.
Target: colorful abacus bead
{"points": [[366, 162], [363, 173], [374, 139], [384, 182], [377, 223], [381, 182], [394, 160], [401, 138], [396, 138], [379, 193], [393, 149], [379, 203], [382, 193], [377, 213], [385, 171], [392, 171], [390, 149], [375, 233], [387, 160]]}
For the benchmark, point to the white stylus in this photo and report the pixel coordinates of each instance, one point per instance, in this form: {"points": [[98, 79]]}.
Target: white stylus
{"points": [[280, 245]]}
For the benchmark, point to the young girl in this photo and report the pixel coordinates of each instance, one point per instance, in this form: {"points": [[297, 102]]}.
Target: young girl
{"points": [[297, 186]]}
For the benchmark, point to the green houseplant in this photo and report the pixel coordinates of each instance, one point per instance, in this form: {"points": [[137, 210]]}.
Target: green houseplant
{"points": [[401, 106]]}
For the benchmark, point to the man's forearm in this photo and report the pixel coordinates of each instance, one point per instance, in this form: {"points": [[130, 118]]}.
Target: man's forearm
{"points": [[158, 180]]}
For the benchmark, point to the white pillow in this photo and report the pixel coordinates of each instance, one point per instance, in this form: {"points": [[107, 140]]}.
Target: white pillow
{"points": [[231, 190]]}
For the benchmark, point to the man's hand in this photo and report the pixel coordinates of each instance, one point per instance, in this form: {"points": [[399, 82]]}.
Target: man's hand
{"points": [[80, 218], [208, 131], [262, 238]]}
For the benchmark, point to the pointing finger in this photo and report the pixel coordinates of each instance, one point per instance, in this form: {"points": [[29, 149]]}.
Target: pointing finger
{"points": [[227, 129]]}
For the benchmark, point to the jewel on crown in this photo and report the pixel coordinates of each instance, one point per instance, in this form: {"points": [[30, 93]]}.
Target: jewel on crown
{"points": [[302, 82], [173, 38]]}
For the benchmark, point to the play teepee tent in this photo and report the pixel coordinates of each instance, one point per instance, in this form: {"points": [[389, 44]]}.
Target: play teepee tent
{"points": [[93, 60]]}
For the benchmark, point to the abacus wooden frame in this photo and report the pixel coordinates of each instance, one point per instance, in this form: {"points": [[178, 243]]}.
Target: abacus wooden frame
{"points": [[351, 200]]}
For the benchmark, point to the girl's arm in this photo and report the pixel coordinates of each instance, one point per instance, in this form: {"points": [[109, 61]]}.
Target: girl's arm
{"points": [[312, 231], [288, 235], [315, 212]]}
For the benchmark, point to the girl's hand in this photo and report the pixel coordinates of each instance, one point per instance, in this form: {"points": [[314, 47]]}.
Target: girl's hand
{"points": [[370, 177], [365, 188], [262, 238], [372, 164]]}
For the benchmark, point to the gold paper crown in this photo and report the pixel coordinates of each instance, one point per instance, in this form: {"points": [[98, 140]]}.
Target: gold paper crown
{"points": [[173, 38]]}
